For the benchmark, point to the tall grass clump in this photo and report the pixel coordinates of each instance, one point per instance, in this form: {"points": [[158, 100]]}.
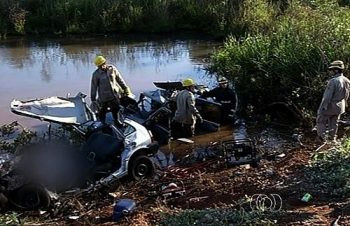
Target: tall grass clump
{"points": [[330, 169], [252, 17], [287, 60]]}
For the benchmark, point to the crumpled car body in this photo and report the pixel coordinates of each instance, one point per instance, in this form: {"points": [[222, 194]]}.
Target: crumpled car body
{"points": [[108, 153]]}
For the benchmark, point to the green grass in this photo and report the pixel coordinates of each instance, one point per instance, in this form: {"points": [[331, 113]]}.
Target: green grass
{"points": [[9, 219], [331, 168], [216, 217]]}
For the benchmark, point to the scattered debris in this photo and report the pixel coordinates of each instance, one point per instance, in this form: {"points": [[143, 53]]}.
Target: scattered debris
{"points": [[282, 155], [197, 199], [163, 161], [335, 222], [186, 192], [73, 217], [123, 208], [172, 190], [306, 198], [186, 140]]}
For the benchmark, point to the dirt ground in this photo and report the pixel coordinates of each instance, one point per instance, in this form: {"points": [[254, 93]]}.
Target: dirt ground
{"points": [[210, 187]]}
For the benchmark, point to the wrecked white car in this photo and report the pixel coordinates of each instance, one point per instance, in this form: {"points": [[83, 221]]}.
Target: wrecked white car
{"points": [[107, 153]]}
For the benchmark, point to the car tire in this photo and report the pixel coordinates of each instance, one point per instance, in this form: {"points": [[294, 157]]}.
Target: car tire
{"points": [[141, 167], [31, 197]]}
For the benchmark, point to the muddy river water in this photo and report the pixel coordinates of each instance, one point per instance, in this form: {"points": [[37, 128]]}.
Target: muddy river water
{"points": [[42, 67]]}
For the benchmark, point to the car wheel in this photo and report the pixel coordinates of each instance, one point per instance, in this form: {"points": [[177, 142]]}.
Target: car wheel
{"points": [[31, 197], [141, 167]]}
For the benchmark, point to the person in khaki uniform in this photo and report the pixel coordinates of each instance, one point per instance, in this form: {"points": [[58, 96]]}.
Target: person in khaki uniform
{"points": [[108, 83], [333, 102], [186, 113]]}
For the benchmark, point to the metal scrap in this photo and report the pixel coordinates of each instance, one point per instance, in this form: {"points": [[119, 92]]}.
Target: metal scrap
{"points": [[172, 190]]}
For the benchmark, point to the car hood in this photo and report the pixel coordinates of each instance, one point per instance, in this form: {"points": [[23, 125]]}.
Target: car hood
{"points": [[71, 110]]}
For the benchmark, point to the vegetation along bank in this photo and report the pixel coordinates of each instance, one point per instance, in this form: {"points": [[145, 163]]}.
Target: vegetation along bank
{"points": [[275, 50]]}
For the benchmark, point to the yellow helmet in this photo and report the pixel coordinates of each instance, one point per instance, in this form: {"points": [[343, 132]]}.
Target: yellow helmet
{"points": [[99, 60], [338, 64], [187, 82]]}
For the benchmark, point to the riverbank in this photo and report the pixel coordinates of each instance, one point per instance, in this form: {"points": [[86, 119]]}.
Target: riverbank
{"points": [[227, 192], [276, 51], [93, 16]]}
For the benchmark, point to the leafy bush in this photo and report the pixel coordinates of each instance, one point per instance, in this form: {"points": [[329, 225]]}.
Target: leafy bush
{"points": [[331, 168], [95, 16], [13, 136], [9, 219], [284, 58]]}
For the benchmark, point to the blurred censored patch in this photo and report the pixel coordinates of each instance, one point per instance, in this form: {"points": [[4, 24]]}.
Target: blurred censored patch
{"points": [[263, 202]]}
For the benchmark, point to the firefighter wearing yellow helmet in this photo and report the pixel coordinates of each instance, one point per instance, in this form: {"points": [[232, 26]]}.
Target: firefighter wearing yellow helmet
{"points": [[186, 114], [108, 84], [333, 102]]}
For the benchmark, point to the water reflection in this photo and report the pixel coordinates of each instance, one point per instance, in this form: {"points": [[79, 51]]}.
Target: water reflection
{"points": [[33, 68], [24, 53]]}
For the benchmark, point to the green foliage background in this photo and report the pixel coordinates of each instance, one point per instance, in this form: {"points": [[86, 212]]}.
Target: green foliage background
{"points": [[283, 56], [104, 16], [275, 50], [330, 168]]}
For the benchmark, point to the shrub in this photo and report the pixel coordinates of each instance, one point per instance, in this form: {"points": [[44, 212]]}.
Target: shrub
{"points": [[286, 61], [331, 169]]}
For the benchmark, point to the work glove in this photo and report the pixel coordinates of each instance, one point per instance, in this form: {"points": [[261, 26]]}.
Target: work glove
{"points": [[94, 106]]}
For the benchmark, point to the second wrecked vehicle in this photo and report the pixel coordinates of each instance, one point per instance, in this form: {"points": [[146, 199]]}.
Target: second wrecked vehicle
{"points": [[155, 110]]}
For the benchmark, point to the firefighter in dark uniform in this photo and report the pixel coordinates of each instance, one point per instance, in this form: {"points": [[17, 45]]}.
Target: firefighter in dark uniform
{"points": [[226, 96]]}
